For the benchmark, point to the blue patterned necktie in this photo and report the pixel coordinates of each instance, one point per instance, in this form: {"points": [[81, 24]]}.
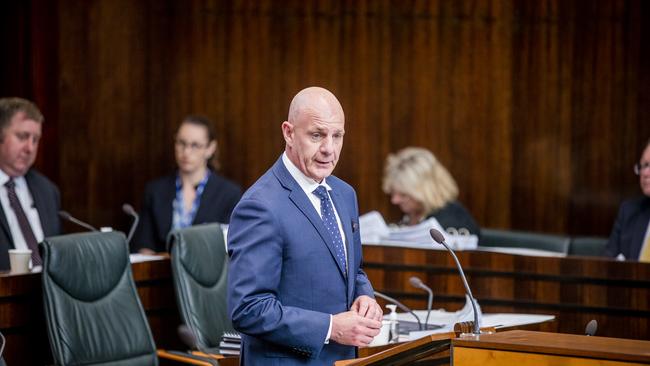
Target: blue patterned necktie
{"points": [[329, 219]]}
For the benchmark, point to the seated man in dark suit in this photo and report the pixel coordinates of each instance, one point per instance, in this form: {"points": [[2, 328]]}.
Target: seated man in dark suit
{"points": [[631, 233], [29, 201]]}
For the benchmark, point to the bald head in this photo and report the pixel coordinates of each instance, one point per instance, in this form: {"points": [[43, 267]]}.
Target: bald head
{"points": [[315, 101], [313, 132]]}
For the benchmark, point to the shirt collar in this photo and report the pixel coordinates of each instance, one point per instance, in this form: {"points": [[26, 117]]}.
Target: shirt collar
{"points": [[4, 178], [306, 183]]}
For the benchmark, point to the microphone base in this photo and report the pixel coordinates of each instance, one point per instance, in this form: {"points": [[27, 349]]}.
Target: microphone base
{"points": [[467, 329]]}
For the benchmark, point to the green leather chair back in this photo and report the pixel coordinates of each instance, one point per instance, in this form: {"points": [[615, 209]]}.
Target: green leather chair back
{"points": [[588, 246], [523, 239], [93, 312], [200, 268]]}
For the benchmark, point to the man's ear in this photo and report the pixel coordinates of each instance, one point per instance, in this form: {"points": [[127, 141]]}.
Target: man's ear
{"points": [[288, 132]]}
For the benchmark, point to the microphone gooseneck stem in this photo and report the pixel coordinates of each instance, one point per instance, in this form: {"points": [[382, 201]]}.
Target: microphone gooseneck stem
{"points": [[83, 224], [66, 216], [136, 220], [429, 305], [400, 305], [477, 329]]}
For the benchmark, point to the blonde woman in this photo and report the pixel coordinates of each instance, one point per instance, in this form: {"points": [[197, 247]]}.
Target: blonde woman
{"points": [[422, 188]]}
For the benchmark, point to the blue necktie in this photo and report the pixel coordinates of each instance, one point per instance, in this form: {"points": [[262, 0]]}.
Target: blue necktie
{"points": [[329, 219]]}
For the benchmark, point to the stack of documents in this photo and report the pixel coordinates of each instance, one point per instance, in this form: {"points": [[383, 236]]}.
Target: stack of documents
{"points": [[374, 230], [230, 344]]}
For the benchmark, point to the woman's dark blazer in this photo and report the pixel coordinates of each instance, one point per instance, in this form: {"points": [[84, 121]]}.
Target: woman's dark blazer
{"points": [[217, 202]]}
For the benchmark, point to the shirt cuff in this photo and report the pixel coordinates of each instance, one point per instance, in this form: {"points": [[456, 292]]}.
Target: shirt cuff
{"points": [[329, 332]]}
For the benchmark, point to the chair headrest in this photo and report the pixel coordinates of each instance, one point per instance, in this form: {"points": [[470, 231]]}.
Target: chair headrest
{"points": [[86, 265], [207, 249]]}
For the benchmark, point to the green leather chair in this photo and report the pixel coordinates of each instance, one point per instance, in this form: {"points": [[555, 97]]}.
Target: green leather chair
{"points": [[200, 268], [93, 312], [588, 246], [524, 239], [2, 348]]}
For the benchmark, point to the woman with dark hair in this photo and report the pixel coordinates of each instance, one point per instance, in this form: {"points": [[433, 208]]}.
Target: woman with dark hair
{"points": [[196, 194]]}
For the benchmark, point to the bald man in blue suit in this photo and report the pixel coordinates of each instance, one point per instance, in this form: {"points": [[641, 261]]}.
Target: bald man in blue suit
{"points": [[296, 290]]}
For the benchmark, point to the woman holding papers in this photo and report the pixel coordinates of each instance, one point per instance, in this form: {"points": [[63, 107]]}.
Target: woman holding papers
{"points": [[422, 188]]}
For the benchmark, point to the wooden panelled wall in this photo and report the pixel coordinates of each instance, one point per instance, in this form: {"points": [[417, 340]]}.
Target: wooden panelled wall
{"points": [[538, 108]]}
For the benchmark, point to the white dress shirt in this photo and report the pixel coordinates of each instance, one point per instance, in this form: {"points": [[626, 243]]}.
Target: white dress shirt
{"points": [[27, 202]]}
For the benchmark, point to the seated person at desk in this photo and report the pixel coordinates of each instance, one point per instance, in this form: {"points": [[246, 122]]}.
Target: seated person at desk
{"points": [[196, 194], [30, 202], [631, 232], [422, 188]]}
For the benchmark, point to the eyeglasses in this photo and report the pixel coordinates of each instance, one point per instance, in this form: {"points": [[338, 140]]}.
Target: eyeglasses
{"points": [[639, 167], [193, 146]]}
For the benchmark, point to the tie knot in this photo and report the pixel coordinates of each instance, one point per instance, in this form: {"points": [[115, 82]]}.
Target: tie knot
{"points": [[10, 184], [321, 192]]}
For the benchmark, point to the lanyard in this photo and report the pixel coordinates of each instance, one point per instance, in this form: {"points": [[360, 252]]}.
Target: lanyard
{"points": [[182, 218]]}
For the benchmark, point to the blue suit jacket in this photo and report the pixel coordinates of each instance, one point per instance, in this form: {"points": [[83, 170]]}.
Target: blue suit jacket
{"points": [[284, 280], [629, 229]]}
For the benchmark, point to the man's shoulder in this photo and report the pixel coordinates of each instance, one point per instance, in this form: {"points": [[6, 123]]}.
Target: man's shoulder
{"points": [[37, 180], [641, 203], [264, 187], [339, 185], [634, 208]]}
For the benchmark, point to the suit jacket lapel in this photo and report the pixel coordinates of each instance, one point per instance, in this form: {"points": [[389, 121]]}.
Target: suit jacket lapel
{"points": [[5, 228], [208, 193], [41, 206], [165, 216], [298, 197]]}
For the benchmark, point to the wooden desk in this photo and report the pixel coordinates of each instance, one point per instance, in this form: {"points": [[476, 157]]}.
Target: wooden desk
{"points": [[574, 289], [524, 348]]}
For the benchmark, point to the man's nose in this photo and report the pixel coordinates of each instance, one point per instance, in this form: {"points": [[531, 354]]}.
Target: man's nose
{"points": [[327, 146], [31, 145]]}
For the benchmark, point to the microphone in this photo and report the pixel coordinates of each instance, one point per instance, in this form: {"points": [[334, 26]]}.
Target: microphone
{"points": [[591, 328], [417, 283], [399, 305], [66, 216], [437, 236], [128, 209]]}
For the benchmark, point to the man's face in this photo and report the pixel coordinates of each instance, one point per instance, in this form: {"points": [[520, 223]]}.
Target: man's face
{"points": [[644, 173], [315, 142], [19, 145]]}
